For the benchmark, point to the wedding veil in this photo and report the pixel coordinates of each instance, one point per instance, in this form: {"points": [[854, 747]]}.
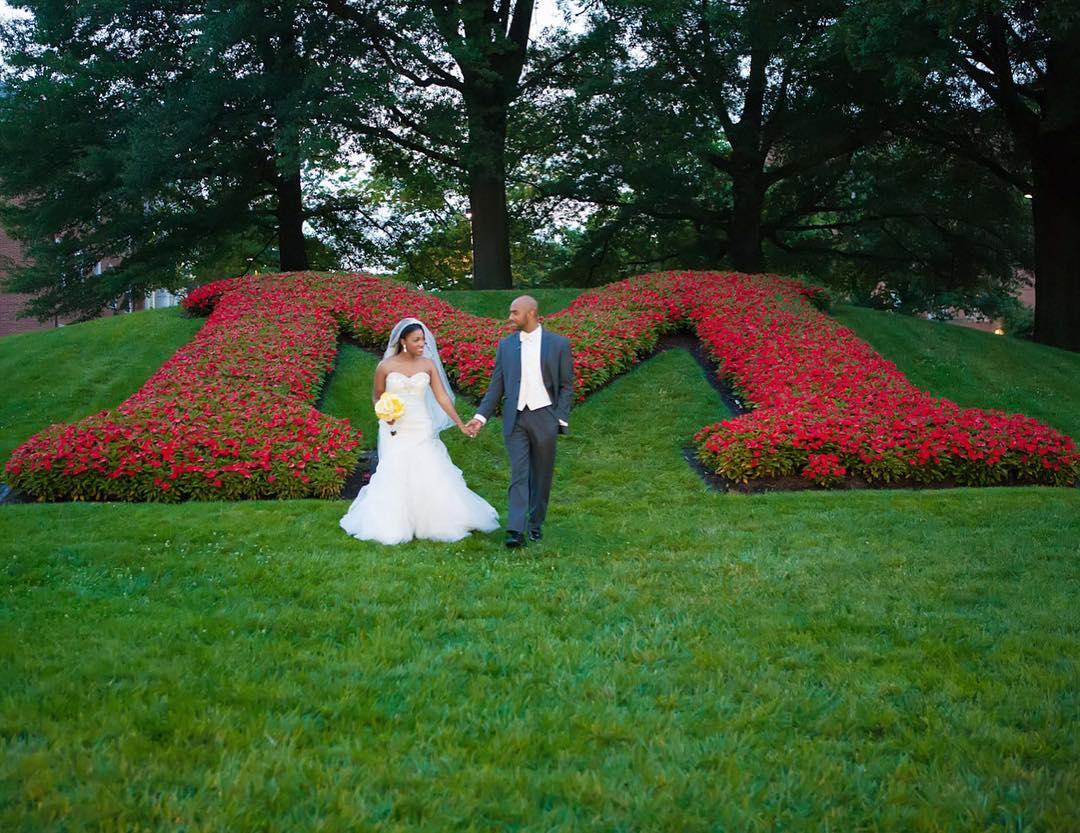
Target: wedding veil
{"points": [[440, 420]]}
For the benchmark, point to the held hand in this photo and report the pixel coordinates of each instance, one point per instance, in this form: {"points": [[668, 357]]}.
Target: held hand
{"points": [[472, 428]]}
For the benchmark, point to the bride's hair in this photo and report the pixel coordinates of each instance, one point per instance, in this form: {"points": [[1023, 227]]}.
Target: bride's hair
{"points": [[407, 331]]}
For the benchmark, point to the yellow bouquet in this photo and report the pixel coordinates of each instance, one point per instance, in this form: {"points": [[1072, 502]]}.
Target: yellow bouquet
{"points": [[390, 408]]}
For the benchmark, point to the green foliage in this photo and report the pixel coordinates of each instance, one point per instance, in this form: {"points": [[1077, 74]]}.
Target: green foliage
{"points": [[936, 234], [853, 140], [997, 83], [1018, 320], [698, 113], [691, 158], [495, 303], [173, 149], [436, 255]]}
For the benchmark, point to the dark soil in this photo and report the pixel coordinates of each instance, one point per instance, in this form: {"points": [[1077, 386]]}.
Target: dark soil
{"points": [[10, 495], [360, 476]]}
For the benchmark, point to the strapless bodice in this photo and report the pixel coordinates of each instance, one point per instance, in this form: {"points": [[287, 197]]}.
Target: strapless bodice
{"points": [[411, 389]]}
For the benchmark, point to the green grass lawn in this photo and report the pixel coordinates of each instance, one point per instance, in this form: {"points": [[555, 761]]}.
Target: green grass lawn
{"points": [[669, 658], [495, 303], [65, 374], [976, 369]]}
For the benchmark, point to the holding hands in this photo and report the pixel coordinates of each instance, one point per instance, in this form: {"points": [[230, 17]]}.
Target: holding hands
{"points": [[470, 428]]}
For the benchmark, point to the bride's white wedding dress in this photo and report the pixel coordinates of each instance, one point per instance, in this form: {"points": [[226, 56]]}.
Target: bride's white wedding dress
{"points": [[416, 491]]}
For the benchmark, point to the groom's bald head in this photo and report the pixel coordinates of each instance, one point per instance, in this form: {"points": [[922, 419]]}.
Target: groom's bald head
{"points": [[525, 303], [524, 313]]}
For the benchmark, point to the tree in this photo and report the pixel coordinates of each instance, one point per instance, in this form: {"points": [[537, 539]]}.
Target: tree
{"points": [[716, 132], [718, 105], [177, 132], [460, 69], [913, 230], [1000, 83]]}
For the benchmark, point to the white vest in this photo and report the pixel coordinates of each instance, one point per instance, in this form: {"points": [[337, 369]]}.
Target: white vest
{"points": [[533, 394]]}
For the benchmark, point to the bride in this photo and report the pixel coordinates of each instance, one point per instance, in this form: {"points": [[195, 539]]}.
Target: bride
{"points": [[416, 491]]}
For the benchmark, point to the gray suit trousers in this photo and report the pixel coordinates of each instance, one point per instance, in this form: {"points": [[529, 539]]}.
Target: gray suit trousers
{"points": [[531, 446]]}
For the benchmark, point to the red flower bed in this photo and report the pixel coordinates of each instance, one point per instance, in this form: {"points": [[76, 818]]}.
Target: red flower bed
{"points": [[230, 416], [608, 328], [827, 407]]}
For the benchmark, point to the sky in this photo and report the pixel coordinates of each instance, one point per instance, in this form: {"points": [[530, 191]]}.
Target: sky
{"points": [[546, 13], [6, 11]]}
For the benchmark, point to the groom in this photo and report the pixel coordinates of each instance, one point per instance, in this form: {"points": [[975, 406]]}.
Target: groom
{"points": [[534, 378]]}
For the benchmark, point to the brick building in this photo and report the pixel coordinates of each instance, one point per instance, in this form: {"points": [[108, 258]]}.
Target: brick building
{"points": [[11, 303]]}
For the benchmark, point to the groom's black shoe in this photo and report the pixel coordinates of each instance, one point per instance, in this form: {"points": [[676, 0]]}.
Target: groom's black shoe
{"points": [[514, 539], [535, 534]]}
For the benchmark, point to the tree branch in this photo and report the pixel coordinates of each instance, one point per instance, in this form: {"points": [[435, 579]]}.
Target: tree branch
{"points": [[540, 73], [408, 144], [959, 147], [371, 25]]}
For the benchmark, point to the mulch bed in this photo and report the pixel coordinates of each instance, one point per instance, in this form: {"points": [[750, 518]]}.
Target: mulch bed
{"points": [[9, 495], [360, 476]]}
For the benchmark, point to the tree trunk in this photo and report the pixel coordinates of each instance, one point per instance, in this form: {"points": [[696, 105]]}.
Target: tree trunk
{"points": [[1055, 208], [486, 162], [1056, 217], [290, 217], [286, 75], [744, 227]]}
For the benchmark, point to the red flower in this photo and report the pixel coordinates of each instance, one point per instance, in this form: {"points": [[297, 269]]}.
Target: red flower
{"points": [[239, 397]]}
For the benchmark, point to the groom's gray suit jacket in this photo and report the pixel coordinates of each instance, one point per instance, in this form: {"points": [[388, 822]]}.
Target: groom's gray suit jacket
{"points": [[556, 367]]}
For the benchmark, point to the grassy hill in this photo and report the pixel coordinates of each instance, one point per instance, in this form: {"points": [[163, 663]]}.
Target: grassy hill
{"points": [[64, 374], [669, 658], [976, 369]]}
